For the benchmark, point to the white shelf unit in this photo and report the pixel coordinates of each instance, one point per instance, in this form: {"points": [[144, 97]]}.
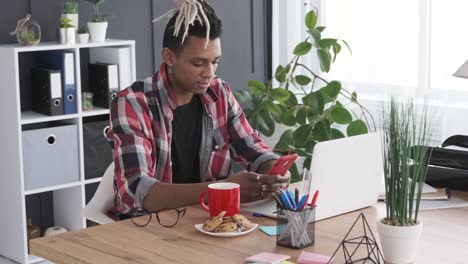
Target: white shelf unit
{"points": [[69, 198]]}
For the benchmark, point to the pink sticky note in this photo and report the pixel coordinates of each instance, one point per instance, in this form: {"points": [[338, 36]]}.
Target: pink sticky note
{"points": [[312, 258], [267, 257]]}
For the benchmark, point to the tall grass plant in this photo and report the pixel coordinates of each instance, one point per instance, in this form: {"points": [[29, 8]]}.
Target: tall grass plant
{"points": [[407, 130]]}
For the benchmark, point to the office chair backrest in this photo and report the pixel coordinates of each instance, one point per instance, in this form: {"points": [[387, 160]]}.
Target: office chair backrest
{"points": [[102, 200]]}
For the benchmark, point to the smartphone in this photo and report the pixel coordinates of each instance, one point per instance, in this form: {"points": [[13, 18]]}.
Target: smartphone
{"points": [[283, 164]]}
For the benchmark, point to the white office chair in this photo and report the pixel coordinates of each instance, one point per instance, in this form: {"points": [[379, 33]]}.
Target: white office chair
{"points": [[102, 200]]}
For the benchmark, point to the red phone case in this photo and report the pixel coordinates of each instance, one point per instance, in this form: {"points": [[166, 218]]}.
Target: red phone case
{"points": [[283, 164]]}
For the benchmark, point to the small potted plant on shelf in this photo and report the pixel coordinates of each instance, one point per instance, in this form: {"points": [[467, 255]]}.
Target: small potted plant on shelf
{"points": [[98, 25], [82, 35], [66, 31], [406, 131], [27, 31], [70, 11]]}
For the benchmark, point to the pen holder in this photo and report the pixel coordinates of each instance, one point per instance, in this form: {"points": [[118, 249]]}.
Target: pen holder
{"points": [[296, 229]]}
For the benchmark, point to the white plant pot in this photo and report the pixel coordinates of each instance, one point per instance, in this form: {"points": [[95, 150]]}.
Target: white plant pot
{"points": [[399, 243], [82, 38], [97, 31], [73, 18], [67, 35]]}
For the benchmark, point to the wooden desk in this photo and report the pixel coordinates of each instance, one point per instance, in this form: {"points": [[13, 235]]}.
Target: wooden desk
{"points": [[444, 240]]}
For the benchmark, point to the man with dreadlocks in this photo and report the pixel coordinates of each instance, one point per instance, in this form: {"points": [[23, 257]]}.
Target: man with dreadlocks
{"points": [[176, 131]]}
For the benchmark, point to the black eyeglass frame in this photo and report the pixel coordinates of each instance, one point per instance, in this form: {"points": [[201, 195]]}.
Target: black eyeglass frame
{"points": [[136, 212]]}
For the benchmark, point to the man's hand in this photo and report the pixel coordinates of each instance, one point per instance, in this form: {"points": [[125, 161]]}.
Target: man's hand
{"points": [[255, 186]]}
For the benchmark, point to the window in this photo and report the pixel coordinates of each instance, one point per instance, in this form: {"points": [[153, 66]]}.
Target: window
{"points": [[449, 43], [383, 36]]}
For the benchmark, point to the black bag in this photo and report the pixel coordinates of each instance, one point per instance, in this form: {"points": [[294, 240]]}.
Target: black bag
{"points": [[448, 167]]}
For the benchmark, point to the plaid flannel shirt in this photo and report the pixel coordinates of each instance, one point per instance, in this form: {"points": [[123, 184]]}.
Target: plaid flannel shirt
{"points": [[141, 134]]}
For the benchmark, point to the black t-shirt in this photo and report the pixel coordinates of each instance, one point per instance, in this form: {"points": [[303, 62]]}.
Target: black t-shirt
{"points": [[186, 137]]}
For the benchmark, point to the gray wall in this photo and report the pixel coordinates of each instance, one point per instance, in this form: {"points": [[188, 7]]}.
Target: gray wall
{"points": [[243, 41]]}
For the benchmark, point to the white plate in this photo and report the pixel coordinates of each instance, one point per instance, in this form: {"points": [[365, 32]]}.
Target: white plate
{"points": [[241, 232]]}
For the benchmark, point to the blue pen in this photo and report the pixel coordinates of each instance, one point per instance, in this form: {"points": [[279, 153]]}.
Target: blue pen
{"points": [[291, 200], [286, 201], [302, 202]]}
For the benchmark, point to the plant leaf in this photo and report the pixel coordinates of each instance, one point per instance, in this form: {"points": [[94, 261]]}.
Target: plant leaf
{"points": [[354, 97], [292, 101], [311, 19], [321, 29], [316, 35], [321, 131], [243, 97], [326, 43], [331, 91], [280, 94], [288, 117], [336, 50], [256, 87], [349, 48], [272, 107], [302, 135], [325, 59], [295, 176], [302, 80], [336, 134], [357, 127], [341, 116], [309, 147], [286, 141], [315, 102], [301, 116], [265, 123], [302, 153], [306, 163], [302, 48], [281, 73]]}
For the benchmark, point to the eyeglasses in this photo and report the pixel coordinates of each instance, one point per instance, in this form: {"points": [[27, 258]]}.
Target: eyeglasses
{"points": [[167, 217]]}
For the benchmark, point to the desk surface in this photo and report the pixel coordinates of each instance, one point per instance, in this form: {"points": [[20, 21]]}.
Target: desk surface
{"points": [[444, 240]]}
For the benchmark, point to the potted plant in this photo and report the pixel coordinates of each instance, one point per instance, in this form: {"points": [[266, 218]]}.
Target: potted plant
{"points": [[70, 11], [405, 139], [27, 31], [66, 31], [327, 111], [98, 25], [82, 35]]}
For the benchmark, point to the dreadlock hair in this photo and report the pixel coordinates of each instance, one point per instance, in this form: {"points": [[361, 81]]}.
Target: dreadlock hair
{"points": [[199, 17]]}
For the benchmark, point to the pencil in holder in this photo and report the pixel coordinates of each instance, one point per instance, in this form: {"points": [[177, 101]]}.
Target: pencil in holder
{"points": [[296, 229]]}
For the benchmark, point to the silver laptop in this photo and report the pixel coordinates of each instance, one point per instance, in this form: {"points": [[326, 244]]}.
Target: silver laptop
{"points": [[347, 172]]}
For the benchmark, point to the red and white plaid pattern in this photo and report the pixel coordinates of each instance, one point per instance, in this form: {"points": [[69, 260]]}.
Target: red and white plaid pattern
{"points": [[141, 133]]}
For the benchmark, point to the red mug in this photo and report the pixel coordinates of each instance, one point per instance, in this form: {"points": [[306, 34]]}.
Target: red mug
{"points": [[222, 196]]}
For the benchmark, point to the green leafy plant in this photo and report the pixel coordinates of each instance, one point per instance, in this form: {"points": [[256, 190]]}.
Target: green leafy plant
{"points": [[29, 37], [82, 30], [70, 7], [65, 23], [324, 111], [97, 16], [406, 134]]}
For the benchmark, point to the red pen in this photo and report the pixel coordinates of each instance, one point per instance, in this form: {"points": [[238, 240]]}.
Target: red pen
{"points": [[314, 199]]}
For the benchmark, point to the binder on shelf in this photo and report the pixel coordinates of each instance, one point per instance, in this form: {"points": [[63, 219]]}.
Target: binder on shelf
{"points": [[65, 62], [103, 82], [47, 91], [115, 55]]}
